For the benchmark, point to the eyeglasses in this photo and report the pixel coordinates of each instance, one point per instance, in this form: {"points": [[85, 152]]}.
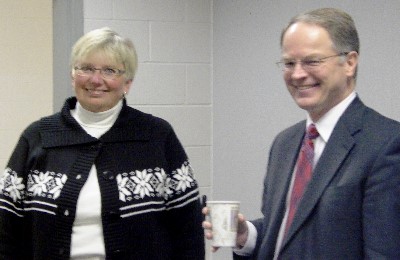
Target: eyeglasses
{"points": [[308, 64], [106, 73]]}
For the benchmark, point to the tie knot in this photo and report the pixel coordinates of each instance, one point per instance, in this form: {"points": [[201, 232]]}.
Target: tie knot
{"points": [[312, 132]]}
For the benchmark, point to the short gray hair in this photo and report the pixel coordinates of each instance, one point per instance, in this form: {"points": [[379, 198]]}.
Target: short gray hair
{"points": [[339, 25]]}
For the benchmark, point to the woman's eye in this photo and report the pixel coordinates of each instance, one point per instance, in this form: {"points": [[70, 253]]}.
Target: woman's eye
{"points": [[110, 71], [87, 69]]}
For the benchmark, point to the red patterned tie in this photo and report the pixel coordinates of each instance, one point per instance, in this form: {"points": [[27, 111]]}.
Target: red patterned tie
{"points": [[303, 172]]}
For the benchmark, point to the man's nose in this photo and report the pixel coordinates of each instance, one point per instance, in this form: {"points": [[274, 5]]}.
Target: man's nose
{"points": [[298, 70]]}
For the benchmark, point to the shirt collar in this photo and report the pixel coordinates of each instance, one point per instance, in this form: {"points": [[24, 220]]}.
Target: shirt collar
{"points": [[327, 122]]}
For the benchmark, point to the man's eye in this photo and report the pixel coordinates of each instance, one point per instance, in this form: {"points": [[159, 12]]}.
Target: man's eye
{"points": [[110, 71], [311, 62], [289, 64]]}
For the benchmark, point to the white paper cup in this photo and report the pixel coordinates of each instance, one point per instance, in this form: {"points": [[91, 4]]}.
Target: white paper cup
{"points": [[224, 220]]}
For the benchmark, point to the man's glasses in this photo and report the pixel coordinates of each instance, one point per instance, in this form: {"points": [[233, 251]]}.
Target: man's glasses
{"points": [[106, 73], [308, 64]]}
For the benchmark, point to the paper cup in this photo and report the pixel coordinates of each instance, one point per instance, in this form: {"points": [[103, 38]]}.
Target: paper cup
{"points": [[224, 220]]}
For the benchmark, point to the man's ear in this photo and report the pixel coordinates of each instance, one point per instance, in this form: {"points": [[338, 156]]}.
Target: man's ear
{"points": [[351, 63]]}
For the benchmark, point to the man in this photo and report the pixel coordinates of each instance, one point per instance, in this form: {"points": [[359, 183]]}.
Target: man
{"points": [[349, 205]]}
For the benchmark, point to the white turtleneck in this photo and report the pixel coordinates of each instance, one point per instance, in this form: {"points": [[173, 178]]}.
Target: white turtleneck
{"points": [[87, 231]]}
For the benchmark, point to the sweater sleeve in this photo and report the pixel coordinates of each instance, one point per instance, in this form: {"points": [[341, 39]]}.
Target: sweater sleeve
{"points": [[183, 205], [12, 194]]}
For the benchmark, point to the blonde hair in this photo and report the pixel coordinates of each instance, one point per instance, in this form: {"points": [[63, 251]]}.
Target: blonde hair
{"points": [[118, 49]]}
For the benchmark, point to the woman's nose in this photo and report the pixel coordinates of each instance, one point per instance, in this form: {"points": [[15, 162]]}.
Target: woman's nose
{"points": [[96, 77]]}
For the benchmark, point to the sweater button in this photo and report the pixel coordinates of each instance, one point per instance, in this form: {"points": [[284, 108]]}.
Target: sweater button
{"points": [[61, 251], [108, 175], [117, 254], [63, 212], [114, 216]]}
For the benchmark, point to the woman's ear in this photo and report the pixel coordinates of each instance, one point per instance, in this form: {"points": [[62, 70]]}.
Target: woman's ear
{"points": [[72, 74], [127, 85]]}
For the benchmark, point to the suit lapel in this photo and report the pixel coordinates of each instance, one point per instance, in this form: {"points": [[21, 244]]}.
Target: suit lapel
{"points": [[336, 151]]}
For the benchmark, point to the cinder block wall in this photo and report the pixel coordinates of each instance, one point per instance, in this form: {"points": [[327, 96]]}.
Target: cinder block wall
{"points": [[173, 39]]}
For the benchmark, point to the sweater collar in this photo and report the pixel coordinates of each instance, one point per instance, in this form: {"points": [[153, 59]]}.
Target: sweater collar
{"points": [[62, 129]]}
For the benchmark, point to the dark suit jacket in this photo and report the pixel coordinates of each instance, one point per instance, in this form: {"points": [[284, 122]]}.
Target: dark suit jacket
{"points": [[351, 208]]}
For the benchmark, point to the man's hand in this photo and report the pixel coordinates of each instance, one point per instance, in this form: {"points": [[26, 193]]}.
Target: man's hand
{"points": [[242, 231]]}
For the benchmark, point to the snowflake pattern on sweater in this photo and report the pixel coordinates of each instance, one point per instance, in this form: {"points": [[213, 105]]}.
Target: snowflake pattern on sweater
{"points": [[12, 186], [48, 184], [147, 185], [154, 182]]}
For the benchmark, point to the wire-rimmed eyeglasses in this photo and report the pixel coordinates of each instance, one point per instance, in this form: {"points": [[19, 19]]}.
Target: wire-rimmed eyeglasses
{"points": [[308, 64], [106, 73]]}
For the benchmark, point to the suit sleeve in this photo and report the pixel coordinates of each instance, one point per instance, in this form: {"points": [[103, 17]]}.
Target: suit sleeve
{"points": [[381, 206]]}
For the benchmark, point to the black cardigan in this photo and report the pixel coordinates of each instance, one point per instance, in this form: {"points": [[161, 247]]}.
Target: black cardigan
{"points": [[150, 205]]}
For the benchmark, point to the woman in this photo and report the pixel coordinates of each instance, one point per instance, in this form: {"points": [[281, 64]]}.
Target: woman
{"points": [[100, 180]]}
